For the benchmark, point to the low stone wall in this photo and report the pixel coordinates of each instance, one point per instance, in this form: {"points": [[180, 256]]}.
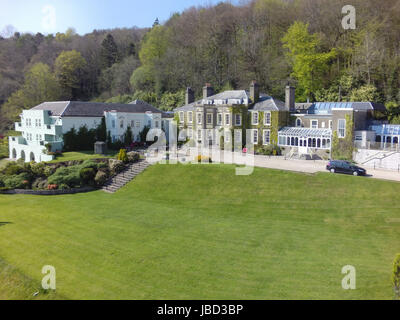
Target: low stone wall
{"points": [[48, 192]]}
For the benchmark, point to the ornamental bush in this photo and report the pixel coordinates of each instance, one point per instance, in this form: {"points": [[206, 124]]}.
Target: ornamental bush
{"points": [[101, 178], [66, 175], [116, 166], [48, 171], [87, 175], [37, 168], [20, 181], [39, 183], [133, 156], [13, 168], [122, 156]]}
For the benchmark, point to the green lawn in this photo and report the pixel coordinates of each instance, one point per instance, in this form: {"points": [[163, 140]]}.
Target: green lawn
{"points": [[81, 155], [200, 232]]}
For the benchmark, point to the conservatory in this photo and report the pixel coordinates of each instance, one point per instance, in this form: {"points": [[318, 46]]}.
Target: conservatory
{"points": [[305, 137]]}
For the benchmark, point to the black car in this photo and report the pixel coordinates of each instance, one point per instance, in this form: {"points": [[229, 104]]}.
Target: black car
{"points": [[341, 166]]}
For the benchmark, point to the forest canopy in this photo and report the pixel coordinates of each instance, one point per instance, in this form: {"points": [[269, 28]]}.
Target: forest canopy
{"points": [[271, 41]]}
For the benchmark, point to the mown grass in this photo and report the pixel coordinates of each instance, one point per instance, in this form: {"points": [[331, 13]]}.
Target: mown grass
{"points": [[81, 155], [200, 232]]}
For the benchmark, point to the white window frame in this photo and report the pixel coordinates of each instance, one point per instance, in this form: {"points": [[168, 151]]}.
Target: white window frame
{"points": [[190, 116], [301, 122], [323, 124], [238, 116], [181, 117], [339, 129], [330, 124], [199, 132], [227, 119], [311, 124], [267, 123], [211, 118], [253, 114], [255, 141], [219, 119], [238, 135], [199, 117], [269, 137]]}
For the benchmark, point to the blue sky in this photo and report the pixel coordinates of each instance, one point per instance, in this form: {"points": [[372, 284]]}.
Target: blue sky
{"points": [[49, 16]]}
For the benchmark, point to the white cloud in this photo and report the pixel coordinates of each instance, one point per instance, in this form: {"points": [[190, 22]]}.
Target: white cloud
{"points": [[49, 19]]}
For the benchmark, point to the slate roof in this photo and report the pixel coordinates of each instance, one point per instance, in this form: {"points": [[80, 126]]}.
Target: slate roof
{"points": [[267, 103], [93, 109]]}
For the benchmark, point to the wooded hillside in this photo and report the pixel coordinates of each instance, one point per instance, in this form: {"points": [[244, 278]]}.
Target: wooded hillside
{"points": [[272, 41]]}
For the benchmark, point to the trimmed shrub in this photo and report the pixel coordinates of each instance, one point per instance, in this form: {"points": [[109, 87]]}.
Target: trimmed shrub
{"points": [[66, 175], [203, 159], [89, 164], [39, 183], [116, 166], [133, 156], [20, 181], [37, 168], [48, 171], [64, 187], [122, 156], [12, 168], [87, 175], [101, 178]]}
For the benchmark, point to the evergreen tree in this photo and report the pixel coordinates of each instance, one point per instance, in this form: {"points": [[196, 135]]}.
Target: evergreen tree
{"points": [[128, 136], [109, 52]]}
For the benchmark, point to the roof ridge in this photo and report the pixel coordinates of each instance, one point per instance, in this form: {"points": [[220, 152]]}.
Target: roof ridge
{"points": [[62, 113]]}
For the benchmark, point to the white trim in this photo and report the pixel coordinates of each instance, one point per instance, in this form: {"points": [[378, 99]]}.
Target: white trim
{"points": [[265, 118], [253, 136], [240, 119], [181, 117], [227, 123], [209, 114], [219, 123], [191, 113], [252, 118], [269, 137], [338, 129], [311, 123], [199, 118]]}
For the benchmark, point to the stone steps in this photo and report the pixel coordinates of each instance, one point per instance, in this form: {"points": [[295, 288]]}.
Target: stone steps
{"points": [[121, 179]]}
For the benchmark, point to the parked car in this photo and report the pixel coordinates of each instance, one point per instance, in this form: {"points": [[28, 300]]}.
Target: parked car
{"points": [[341, 166]]}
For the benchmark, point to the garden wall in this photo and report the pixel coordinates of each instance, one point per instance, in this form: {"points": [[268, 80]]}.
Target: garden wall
{"points": [[48, 192]]}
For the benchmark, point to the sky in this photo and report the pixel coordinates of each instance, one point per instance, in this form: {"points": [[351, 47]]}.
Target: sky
{"points": [[51, 16]]}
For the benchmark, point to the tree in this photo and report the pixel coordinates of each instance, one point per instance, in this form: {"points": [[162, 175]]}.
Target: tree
{"points": [[69, 70], [308, 64], [40, 85], [128, 136], [364, 93], [109, 51], [101, 131]]}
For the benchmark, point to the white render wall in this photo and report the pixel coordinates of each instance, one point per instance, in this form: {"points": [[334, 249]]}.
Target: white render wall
{"points": [[69, 122], [137, 121]]}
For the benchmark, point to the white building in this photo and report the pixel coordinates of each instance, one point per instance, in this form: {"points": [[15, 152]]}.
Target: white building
{"points": [[47, 123]]}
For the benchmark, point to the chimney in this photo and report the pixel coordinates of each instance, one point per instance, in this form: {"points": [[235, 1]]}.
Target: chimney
{"points": [[254, 91], [290, 98], [208, 91], [189, 96]]}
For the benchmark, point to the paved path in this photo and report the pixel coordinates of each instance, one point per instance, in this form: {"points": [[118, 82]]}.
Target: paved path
{"points": [[311, 166]]}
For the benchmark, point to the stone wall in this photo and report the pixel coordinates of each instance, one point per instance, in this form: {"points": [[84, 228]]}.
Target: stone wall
{"points": [[48, 192], [378, 159]]}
